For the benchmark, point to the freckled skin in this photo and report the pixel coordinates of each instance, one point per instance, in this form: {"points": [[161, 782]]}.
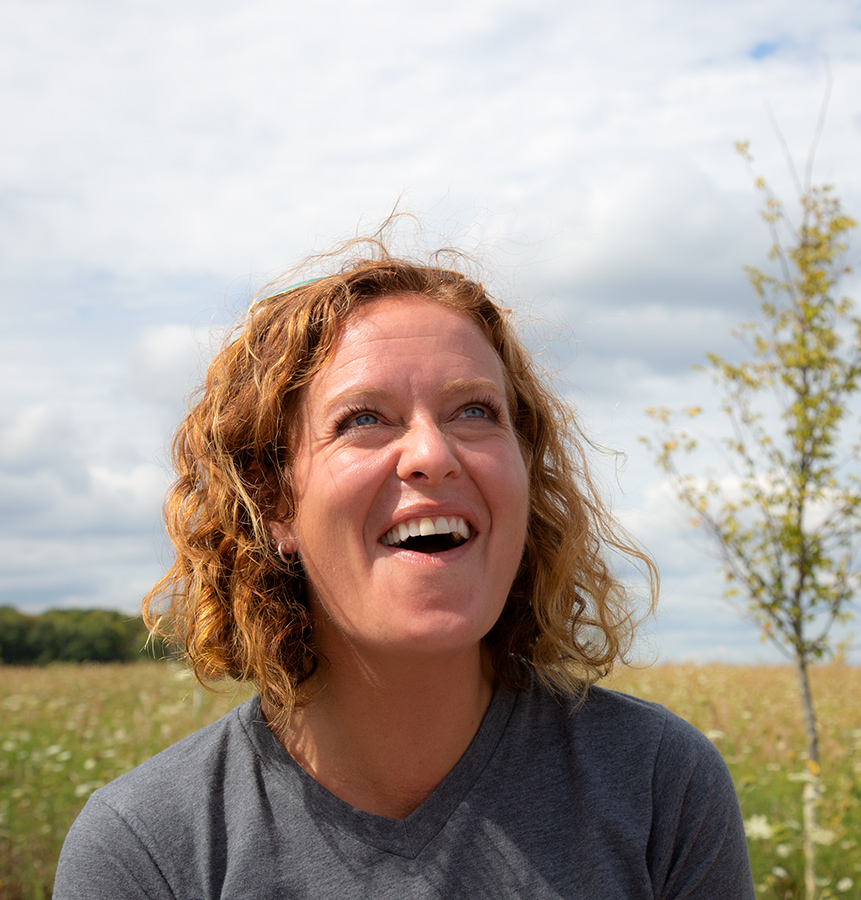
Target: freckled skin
{"points": [[408, 418]]}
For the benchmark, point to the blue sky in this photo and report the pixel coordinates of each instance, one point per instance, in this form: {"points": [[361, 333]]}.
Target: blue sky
{"points": [[162, 160]]}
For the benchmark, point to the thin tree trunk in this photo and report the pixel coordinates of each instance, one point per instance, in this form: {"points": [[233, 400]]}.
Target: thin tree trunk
{"points": [[810, 796]]}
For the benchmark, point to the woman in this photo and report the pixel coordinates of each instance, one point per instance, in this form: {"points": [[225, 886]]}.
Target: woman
{"points": [[383, 519]]}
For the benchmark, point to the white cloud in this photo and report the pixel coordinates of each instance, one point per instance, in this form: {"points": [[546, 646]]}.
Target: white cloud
{"points": [[166, 362], [166, 157]]}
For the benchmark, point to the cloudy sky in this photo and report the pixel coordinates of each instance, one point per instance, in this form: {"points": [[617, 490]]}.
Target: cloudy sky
{"points": [[162, 160]]}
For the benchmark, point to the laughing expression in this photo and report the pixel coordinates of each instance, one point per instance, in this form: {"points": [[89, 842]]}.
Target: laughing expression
{"points": [[411, 490]]}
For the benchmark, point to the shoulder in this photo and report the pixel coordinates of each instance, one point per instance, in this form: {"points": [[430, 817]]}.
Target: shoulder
{"points": [[143, 827], [611, 719], [631, 719], [189, 764], [618, 743], [182, 784], [645, 778]]}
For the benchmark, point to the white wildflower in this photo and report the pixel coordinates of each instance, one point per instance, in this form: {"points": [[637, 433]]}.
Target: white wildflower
{"points": [[757, 828], [845, 884], [823, 836], [86, 788]]}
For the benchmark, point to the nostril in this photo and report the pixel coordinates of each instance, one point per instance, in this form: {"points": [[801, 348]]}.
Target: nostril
{"points": [[427, 454]]}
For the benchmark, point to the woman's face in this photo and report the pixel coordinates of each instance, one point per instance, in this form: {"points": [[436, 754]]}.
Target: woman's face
{"points": [[411, 490]]}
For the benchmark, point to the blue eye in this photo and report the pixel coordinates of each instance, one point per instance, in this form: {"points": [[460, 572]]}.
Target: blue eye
{"points": [[358, 417], [475, 412]]}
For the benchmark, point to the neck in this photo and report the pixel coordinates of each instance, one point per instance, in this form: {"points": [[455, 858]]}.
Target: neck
{"points": [[382, 735]]}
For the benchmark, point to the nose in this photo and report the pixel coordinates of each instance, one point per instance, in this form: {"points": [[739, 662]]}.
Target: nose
{"points": [[427, 454]]}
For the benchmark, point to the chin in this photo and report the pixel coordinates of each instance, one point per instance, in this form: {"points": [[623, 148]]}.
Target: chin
{"points": [[444, 636]]}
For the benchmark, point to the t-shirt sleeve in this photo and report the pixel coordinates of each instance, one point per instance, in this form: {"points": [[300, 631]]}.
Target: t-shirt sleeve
{"points": [[103, 859], [697, 847]]}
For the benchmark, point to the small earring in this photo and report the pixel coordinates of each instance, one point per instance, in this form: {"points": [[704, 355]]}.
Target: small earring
{"points": [[286, 558]]}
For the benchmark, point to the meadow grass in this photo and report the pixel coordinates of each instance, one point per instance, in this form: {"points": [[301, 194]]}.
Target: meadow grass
{"points": [[67, 729]]}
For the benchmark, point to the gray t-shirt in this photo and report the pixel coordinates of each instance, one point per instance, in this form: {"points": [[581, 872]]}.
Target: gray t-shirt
{"points": [[615, 799]]}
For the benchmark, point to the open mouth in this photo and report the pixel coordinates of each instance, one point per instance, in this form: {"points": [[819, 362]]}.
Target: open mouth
{"points": [[426, 535]]}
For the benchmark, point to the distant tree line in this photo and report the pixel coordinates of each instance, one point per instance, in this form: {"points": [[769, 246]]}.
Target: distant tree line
{"points": [[74, 635]]}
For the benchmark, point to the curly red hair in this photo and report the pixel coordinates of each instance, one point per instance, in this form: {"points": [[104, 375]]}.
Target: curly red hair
{"points": [[239, 611]]}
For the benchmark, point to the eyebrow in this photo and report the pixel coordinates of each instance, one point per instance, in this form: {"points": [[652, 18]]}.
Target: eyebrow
{"points": [[457, 386]]}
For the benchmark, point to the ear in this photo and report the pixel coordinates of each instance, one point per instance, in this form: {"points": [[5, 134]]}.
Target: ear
{"points": [[283, 536]]}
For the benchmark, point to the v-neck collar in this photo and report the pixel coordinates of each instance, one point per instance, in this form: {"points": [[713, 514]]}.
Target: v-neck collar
{"points": [[402, 837]]}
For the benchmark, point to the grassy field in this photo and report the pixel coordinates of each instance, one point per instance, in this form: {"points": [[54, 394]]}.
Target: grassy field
{"points": [[66, 730]]}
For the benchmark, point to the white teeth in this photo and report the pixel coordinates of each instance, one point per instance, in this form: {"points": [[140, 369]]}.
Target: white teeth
{"points": [[425, 526]]}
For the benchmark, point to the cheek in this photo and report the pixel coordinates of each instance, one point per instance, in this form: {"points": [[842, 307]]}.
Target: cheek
{"points": [[513, 483], [335, 503], [522, 516]]}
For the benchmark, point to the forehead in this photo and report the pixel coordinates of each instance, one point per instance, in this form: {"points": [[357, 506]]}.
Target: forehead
{"points": [[405, 327]]}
